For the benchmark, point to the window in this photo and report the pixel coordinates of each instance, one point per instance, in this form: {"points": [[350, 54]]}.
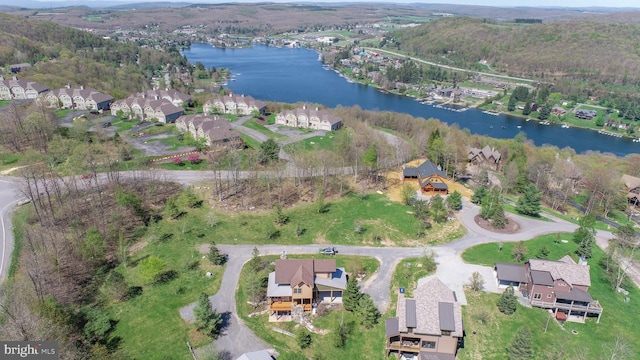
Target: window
{"points": [[537, 296], [548, 296], [429, 344], [297, 290], [446, 332], [562, 284]]}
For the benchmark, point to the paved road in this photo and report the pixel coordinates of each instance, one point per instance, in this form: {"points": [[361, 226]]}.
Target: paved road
{"points": [[9, 196]]}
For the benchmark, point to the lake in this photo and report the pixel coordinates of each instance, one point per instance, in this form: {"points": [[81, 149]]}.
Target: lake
{"points": [[297, 75]]}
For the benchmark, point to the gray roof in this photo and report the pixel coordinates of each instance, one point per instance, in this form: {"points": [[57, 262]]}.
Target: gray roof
{"points": [[511, 272], [541, 278], [427, 298], [277, 290], [486, 152], [256, 355], [570, 272], [391, 326], [447, 321], [338, 280], [410, 313], [436, 356], [574, 294]]}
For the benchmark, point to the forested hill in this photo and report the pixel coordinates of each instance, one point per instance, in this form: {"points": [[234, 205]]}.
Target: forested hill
{"points": [[584, 56], [62, 55]]}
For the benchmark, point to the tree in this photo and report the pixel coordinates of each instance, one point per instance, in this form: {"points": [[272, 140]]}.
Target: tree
{"points": [[207, 320], [269, 151], [519, 251], [215, 256], [438, 209], [370, 157], [529, 201], [479, 195], [511, 105], [279, 217], [454, 200], [508, 303], [521, 347], [150, 268], [98, 325], [94, 247], [586, 229], [585, 248], [351, 294], [340, 334], [543, 252], [545, 111], [304, 338], [367, 311], [172, 208], [476, 282], [527, 108], [499, 219], [407, 193]]}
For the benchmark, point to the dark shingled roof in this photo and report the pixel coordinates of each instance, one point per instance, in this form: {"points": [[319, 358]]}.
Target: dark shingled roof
{"points": [[511, 272], [445, 311], [574, 294], [301, 270], [436, 356], [410, 312], [391, 326], [541, 278]]}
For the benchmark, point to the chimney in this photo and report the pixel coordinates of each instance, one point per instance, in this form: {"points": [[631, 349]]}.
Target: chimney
{"points": [[15, 77], [304, 107], [81, 87], [156, 96], [582, 261], [68, 86]]}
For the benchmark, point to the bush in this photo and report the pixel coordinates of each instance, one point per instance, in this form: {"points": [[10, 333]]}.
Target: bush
{"points": [[194, 159], [304, 338], [508, 303], [178, 161], [134, 291]]}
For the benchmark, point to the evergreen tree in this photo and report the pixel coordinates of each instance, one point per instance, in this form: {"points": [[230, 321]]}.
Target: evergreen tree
{"points": [[269, 151], [511, 105], [207, 320], [499, 219], [454, 201], [527, 108], [304, 338], [370, 157], [521, 347], [479, 195], [543, 252], [351, 295], [585, 248], [215, 256], [508, 303], [544, 112], [529, 201], [585, 230], [438, 209], [340, 335], [367, 311], [279, 217]]}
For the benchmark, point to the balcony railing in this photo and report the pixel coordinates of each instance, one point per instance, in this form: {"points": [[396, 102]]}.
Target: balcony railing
{"points": [[593, 307]]}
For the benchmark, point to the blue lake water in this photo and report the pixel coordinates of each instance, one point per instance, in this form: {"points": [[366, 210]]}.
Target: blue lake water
{"points": [[296, 75]]}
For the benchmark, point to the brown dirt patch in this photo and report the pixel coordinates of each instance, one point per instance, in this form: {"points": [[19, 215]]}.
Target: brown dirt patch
{"points": [[511, 228]]}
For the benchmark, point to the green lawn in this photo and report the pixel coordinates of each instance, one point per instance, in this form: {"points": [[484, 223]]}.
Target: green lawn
{"points": [[251, 142], [313, 143], [383, 223], [60, 113], [202, 165], [151, 321], [492, 336], [360, 341], [251, 124]]}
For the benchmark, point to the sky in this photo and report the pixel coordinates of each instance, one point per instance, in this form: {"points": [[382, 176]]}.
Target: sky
{"points": [[499, 3]]}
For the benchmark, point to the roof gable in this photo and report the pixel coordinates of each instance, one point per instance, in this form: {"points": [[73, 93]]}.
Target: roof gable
{"points": [[572, 273]]}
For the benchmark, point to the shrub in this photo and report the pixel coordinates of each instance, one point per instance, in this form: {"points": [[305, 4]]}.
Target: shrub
{"points": [[178, 161], [194, 159], [508, 303], [304, 338]]}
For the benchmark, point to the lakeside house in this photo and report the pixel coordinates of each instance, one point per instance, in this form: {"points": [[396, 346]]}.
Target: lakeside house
{"points": [[562, 286], [297, 284], [147, 108], [80, 98], [427, 326], [632, 184], [585, 114], [215, 131], [234, 104], [20, 89], [318, 119], [430, 178], [487, 157]]}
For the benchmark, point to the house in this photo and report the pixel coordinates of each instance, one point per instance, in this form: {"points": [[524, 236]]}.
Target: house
{"points": [[20, 89], [80, 98], [559, 111], [318, 119], [633, 189], [143, 107], [297, 284], [427, 326], [234, 104], [561, 286], [215, 131], [430, 179], [175, 97], [485, 157], [585, 114]]}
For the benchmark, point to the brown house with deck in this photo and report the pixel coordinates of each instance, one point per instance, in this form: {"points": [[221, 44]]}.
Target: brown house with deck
{"points": [[486, 157], [428, 326], [558, 285], [430, 178], [632, 184], [297, 284]]}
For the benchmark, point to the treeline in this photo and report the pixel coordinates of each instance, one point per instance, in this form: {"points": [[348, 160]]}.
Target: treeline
{"points": [[62, 55], [575, 56]]}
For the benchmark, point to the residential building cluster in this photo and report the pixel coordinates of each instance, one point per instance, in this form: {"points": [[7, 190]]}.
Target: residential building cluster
{"points": [[213, 130], [309, 118], [234, 104], [165, 106], [80, 98], [15, 89]]}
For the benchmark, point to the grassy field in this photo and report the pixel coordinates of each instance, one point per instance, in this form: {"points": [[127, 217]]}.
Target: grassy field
{"points": [[313, 143], [151, 321], [382, 223], [251, 124], [360, 341], [494, 331]]}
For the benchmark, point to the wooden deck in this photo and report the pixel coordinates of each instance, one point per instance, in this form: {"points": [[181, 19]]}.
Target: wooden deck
{"points": [[280, 306]]}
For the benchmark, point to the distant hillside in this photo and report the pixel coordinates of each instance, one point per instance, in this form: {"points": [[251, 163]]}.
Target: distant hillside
{"points": [[62, 55], [579, 56]]}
